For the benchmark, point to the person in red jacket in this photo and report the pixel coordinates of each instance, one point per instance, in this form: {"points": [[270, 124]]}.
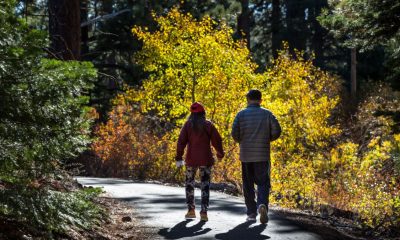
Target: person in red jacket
{"points": [[197, 134]]}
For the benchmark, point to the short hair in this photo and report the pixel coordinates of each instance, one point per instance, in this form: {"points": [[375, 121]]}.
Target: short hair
{"points": [[254, 94]]}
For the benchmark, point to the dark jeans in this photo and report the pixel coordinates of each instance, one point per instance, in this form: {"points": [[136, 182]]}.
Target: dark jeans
{"points": [[255, 173]]}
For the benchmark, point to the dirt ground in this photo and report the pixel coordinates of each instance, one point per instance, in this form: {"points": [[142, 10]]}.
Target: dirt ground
{"points": [[120, 223]]}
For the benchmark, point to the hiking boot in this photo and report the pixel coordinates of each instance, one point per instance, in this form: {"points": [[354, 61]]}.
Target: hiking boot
{"points": [[251, 217], [191, 214], [263, 210], [203, 216]]}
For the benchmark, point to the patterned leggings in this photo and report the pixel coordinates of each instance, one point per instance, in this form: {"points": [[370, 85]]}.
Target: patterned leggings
{"points": [[205, 177]]}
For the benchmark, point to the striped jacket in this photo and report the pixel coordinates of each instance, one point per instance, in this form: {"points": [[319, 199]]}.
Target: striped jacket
{"points": [[254, 128]]}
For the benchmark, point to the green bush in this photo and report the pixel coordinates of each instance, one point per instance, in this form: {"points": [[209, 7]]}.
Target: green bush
{"points": [[43, 121], [52, 210]]}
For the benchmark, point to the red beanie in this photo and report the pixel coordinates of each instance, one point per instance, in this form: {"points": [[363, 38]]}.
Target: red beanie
{"points": [[196, 107]]}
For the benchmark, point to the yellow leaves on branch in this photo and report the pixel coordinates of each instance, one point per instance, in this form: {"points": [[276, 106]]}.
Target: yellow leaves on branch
{"points": [[127, 146], [303, 97], [191, 60]]}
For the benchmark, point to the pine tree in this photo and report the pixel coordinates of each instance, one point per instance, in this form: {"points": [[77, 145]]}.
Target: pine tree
{"points": [[244, 21], [276, 27], [65, 29], [366, 25], [43, 122]]}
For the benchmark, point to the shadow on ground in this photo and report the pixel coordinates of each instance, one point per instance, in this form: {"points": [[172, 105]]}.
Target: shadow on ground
{"points": [[244, 231], [173, 202], [181, 230]]}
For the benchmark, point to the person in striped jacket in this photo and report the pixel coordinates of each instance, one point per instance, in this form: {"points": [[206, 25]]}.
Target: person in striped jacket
{"points": [[254, 128]]}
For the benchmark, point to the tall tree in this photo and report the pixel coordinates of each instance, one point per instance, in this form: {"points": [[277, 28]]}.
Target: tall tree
{"points": [[319, 33], [244, 19], [353, 73], [366, 25], [296, 24], [64, 29], [84, 29], [276, 27]]}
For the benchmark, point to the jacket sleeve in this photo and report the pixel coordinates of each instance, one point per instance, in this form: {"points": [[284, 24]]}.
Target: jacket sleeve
{"points": [[275, 128], [182, 142], [236, 129], [216, 142]]}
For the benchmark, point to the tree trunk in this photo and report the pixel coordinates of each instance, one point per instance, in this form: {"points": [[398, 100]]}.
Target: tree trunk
{"points": [[194, 89], [64, 29], [276, 27], [290, 15], [353, 73], [296, 24], [319, 32], [84, 29], [243, 26]]}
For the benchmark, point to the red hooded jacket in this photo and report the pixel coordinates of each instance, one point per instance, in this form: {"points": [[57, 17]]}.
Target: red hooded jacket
{"points": [[199, 148]]}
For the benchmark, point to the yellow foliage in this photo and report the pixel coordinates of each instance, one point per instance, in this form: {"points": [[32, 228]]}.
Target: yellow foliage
{"points": [[192, 61], [367, 182], [127, 146], [302, 97], [189, 60]]}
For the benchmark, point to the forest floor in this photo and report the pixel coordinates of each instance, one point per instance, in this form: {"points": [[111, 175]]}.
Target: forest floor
{"points": [[121, 223]]}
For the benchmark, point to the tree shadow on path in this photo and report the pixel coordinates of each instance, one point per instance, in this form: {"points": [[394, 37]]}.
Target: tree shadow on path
{"points": [[180, 230], [244, 231]]}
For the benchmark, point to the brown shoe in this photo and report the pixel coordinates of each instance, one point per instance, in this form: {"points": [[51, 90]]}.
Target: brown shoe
{"points": [[263, 210], [191, 214], [203, 216]]}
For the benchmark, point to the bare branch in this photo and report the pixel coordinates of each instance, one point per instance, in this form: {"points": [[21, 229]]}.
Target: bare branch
{"points": [[104, 17]]}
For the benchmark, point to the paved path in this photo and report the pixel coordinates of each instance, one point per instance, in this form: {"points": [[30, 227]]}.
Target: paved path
{"points": [[163, 207]]}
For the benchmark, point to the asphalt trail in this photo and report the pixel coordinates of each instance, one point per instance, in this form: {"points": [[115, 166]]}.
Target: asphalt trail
{"points": [[163, 207]]}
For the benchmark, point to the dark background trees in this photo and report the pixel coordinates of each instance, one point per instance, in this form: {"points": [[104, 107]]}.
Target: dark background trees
{"points": [[105, 36], [372, 28]]}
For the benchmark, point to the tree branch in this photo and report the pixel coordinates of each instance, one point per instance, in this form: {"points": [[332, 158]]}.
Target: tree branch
{"points": [[104, 17]]}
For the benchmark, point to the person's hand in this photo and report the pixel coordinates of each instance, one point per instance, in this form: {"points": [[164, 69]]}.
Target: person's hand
{"points": [[179, 163]]}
